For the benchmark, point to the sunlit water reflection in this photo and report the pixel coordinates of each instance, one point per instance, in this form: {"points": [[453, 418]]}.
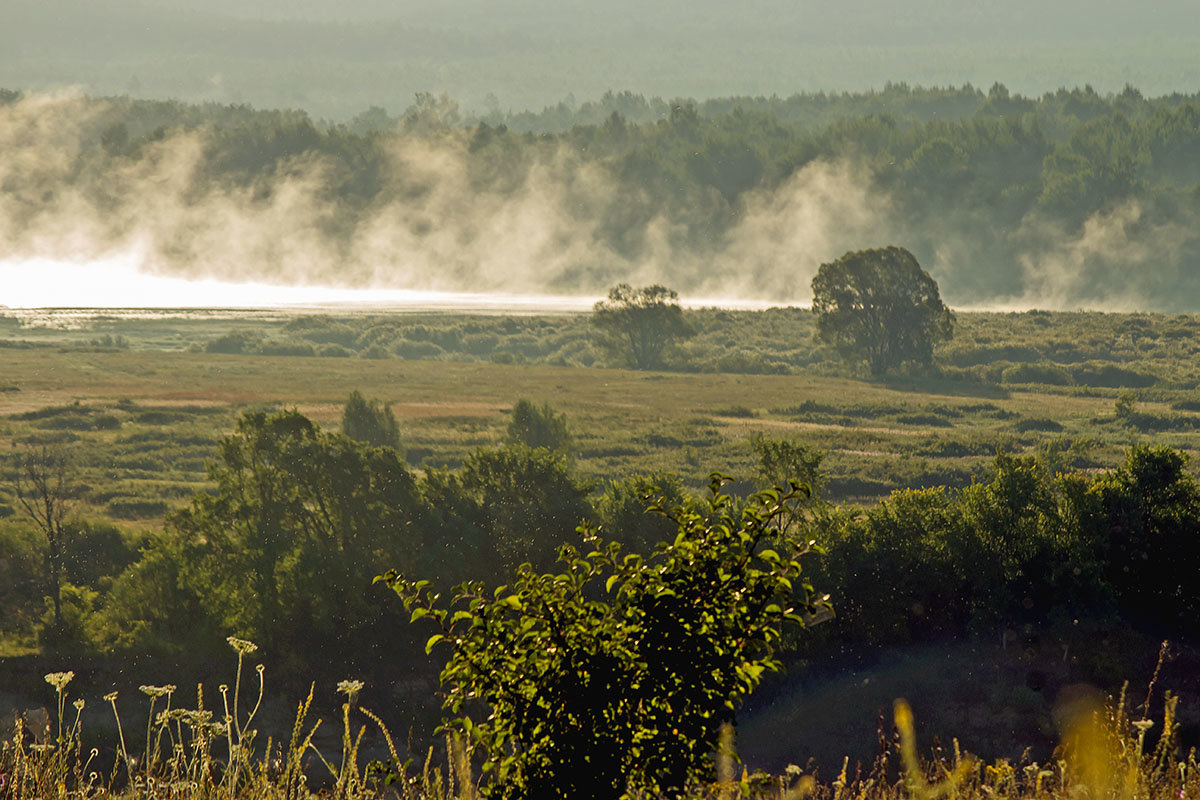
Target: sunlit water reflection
{"points": [[65, 289]]}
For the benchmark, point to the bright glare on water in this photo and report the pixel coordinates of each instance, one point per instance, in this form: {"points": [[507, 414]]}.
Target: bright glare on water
{"points": [[118, 283]]}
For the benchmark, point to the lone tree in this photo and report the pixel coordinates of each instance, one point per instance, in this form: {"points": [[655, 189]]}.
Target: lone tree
{"points": [[637, 325], [879, 305]]}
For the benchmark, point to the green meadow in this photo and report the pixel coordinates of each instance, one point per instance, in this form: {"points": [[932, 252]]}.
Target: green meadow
{"points": [[143, 401]]}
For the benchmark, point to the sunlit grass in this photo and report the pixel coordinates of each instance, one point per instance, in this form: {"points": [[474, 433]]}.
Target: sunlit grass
{"points": [[1107, 752]]}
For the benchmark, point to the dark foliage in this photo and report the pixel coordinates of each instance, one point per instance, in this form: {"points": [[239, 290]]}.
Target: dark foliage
{"points": [[370, 421], [881, 307], [617, 673], [637, 326]]}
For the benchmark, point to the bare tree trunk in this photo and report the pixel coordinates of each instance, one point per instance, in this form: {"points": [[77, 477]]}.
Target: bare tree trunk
{"points": [[44, 484]]}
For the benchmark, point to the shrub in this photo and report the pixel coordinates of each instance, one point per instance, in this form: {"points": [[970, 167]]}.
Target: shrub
{"points": [[232, 343], [928, 420], [333, 351], [1125, 407], [107, 422], [66, 423], [1112, 376], [780, 460], [96, 550], [1038, 424], [375, 351], [535, 426], [370, 421], [285, 347], [741, 412], [621, 511], [528, 500], [159, 417], [1149, 536], [417, 350], [1041, 372], [615, 676], [136, 508]]}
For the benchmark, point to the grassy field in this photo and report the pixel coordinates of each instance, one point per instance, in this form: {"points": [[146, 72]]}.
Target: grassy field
{"points": [[143, 400]]}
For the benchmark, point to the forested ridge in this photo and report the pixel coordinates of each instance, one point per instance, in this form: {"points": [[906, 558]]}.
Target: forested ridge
{"points": [[1066, 200]]}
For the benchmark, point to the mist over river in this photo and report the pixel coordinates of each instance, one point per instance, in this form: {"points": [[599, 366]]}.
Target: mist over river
{"points": [[39, 287]]}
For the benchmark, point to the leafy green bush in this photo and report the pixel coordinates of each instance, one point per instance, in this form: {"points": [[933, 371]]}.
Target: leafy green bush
{"points": [[370, 421], [1038, 424], [535, 426], [285, 347], [159, 417], [74, 631], [621, 511], [96, 550], [1112, 376], [528, 500], [66, 423], [1147, 528], [283, 547], [333, 351], [375, 351], [780, 460], [417, 350], [1040, 372], [927, 420], [616, 675], [740, 412], [233, 343], [136, 508]]}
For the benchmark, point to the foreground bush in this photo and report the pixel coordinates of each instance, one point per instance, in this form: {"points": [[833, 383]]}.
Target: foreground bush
{"points": [[618, 673]]}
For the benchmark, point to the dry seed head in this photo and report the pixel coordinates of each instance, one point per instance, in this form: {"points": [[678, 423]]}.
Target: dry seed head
{"points": [[197, 717], [350, 689], [157, 691], [243, 647], [78, 704], [59, 680], [111, 697], [174, 715]]}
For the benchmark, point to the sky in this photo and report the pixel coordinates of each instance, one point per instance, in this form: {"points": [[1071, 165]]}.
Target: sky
{"points": [[337, 59]]}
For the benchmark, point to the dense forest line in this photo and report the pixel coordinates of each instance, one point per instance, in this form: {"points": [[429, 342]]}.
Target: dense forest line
{"points": [[1066, 200]]}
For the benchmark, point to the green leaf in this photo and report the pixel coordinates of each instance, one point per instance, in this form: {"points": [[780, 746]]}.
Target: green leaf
{"points": [[437, 637], [418, 613], [608, 584]]}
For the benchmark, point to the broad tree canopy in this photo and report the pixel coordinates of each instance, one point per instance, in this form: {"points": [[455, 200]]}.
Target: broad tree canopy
{"points": [[880, 306], [638, 325]]}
